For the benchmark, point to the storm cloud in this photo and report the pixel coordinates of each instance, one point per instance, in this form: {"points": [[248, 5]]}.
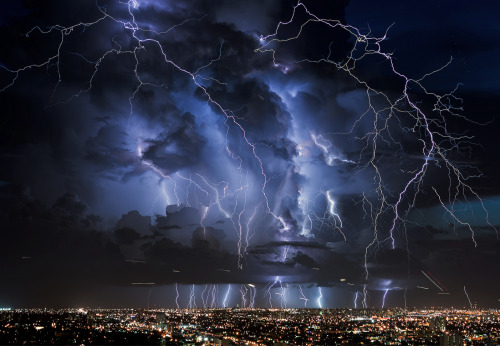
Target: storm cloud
{"points": [[178, 143]]}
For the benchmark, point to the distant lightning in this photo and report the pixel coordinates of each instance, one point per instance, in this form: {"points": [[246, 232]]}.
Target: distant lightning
{"points": [[204, 298], [192, 298], [467, 295], [285, 253], [253, 293], [306, 230], [325, 146], [322, 143], [303, 297], [333, 213], [214, 290], [226, 296], [365, 297], [383, 297], [243, 291], [248, 233], [177, 296], [268, 290], [283, 293], [320, 297]]}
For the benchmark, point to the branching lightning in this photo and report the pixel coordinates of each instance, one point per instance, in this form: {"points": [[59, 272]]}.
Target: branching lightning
{"points": [[243, 291], [431, 128], [214, 302], [268, 288], [303, 297], [387, 208], [204, 298], [192, 298]]}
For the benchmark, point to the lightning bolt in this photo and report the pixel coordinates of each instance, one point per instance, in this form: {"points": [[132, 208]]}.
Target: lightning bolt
{"points": [[383, 297], [243, 292], [268, 288], [177, 296], [320, 297], [226, 297], [214, 296], [365, 297], [467, 295], [283, 295], [333, 214], [303, 297], [192, 299], [204, 298], [284, 254], [253, 293]]}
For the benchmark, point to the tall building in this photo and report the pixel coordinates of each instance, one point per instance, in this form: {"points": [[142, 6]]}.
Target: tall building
{"points": [[451, 340], [438, 324]]}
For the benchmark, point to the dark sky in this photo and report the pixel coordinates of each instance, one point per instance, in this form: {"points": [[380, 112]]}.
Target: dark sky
{"points": [[249, 152]]}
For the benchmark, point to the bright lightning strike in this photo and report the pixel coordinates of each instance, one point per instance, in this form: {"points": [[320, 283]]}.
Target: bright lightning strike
{"points": [[303, 297], [383, 297], [177, 296], [226, 297], [365, 297], [468, 298], [320, 297], [192, 299]]}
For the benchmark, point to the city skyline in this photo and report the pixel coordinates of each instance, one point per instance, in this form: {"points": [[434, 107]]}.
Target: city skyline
{"points": [[250, 326]]}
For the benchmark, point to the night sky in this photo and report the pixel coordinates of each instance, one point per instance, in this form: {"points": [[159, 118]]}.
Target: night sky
{"points": [[260, 153]]}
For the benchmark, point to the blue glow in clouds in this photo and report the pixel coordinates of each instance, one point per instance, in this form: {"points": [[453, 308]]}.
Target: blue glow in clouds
{"points": [[247, 151]]}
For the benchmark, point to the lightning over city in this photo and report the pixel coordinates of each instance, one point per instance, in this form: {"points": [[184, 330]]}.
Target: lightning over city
{"points": [[258, 154]]}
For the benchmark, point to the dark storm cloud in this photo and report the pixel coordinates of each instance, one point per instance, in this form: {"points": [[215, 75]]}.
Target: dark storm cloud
{"points": [[107, 151], [305, 260], [59, 240], [179, 215], [110, 151], [298, 259], [67, 237], [178, 149], [126, 235], [134, 220], [68, 224]]}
